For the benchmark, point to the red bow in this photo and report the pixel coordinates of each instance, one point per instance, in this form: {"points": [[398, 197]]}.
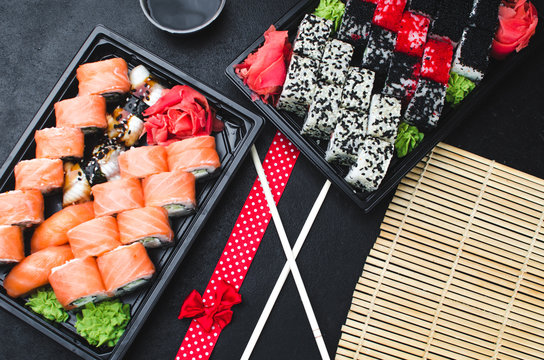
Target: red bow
{"points": [[219, 314]]}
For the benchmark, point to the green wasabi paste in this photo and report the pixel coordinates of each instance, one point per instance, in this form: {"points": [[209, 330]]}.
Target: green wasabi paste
{"points": [[45, 303], [103, 323], [332, 10], [458, 88], [408, 138]]}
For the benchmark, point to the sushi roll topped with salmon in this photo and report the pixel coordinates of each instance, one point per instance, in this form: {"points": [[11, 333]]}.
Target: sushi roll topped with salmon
{"points": [[116, 196], [12, 248], [77, 283], [59, 143], [196, 155], [86, 112], [21, 207], [103, 77], [125, 268], [94, 237], [143, 161], [174, 191], [148, 225], [45, 175]]}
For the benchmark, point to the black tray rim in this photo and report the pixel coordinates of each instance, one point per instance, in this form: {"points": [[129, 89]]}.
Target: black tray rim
{"points": [[368, 201], [194, 227]]}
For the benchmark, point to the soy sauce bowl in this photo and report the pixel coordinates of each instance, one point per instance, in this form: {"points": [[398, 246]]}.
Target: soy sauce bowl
{"points": [[182, 16]]}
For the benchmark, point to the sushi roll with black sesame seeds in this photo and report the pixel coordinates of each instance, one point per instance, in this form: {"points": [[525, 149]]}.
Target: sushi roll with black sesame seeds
{"points": [[320, 121], [347, 137], [472, 55], [355, 26], [357, 89], [312, 34], [372, 162], [335, 62], [425, 108], [384, 117], [451, 20], [297, 93], [379, 50], [144, 86], [485, 14], [402, 76], [424, 7]]}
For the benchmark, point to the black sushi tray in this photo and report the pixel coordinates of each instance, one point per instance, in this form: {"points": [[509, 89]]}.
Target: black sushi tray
{"points": [[233, 143], [314, 150]]}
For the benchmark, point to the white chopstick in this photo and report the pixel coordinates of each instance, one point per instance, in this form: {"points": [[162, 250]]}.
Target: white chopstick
{"points": [[290, 258], [284, 273]]}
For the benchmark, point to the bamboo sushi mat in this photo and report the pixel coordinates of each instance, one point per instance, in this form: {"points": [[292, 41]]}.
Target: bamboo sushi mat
{"points": [[457, 271]]}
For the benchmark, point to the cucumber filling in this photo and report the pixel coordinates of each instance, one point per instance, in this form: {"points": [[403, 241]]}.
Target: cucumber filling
{"points": [[150, 242], [199, 173], [131, 286], [175, 207], [82, 301]]}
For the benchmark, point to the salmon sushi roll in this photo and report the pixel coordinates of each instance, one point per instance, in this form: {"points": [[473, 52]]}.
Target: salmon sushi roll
{"points": [[77, 283], [12, 248], [59, 143], [125, 268], [86, 112], [53, 231], [45, 175], [117, 196], [34, 270], [174, 191], [76, 186], [196, 142], [102, 77], [21, 207], [143, 161], [94, 237], [148, 225], [196, 155]]}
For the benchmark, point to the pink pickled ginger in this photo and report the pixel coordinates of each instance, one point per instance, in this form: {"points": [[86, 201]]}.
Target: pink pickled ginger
{"points": [[180, 113], [264, 71]]}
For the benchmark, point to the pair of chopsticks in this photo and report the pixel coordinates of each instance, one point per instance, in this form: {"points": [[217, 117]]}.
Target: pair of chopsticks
{"points": [[290, 265]]}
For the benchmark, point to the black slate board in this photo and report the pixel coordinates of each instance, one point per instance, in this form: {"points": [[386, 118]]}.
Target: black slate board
{"points": [[233, 143], [315, 151]]}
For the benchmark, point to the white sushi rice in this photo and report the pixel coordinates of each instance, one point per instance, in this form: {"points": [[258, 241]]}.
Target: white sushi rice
{"points": [[372, 163], [138, 75]]}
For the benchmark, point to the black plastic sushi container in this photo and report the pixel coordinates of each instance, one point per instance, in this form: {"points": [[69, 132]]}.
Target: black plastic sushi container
{"points": [[314, 150], [233, 143]]}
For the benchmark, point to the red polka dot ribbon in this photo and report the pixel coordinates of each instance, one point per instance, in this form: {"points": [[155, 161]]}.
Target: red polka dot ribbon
{"points": [[242, 244]]}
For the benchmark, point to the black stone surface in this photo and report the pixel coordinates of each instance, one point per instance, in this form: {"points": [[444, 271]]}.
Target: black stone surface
{"points": [[38, 40]]}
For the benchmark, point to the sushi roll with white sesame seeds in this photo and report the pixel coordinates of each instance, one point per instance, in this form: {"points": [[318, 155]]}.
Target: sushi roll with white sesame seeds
{"points": [[335, 62], [321, 118], [347, 137], [357, 89], [297, 92], [372, 163], [312, 34], [384, 117]]}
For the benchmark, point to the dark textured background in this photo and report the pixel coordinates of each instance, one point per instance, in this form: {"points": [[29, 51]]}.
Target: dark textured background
{"points": [[38, 40]]}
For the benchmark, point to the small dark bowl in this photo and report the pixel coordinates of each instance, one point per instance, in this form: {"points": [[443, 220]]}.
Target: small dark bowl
{"points": [[182, 16]]}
